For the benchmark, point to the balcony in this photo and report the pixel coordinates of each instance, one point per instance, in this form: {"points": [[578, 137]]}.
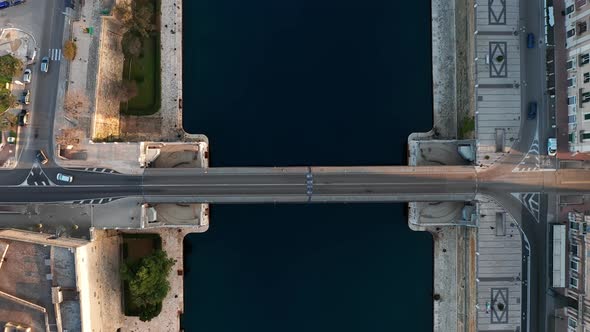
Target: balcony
{"points": [[584, 59], [581, 27]]}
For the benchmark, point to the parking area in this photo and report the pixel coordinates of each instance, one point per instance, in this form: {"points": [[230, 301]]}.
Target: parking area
{"points": [[29, 16]]}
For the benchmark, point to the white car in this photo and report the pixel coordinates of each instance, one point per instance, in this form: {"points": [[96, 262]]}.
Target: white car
{"points": [[65, 177], [27, 76], [552, 146], [45, 64]]}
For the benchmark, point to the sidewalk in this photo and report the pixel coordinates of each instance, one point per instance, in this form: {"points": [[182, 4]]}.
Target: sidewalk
{"points": [[499, 268], [498, 93]]}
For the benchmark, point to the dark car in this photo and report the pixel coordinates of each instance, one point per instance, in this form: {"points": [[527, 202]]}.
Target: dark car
{"points": [[4, 4], [42, 157], [17, 2], [530, 40], [23, 118], [532, 113]]}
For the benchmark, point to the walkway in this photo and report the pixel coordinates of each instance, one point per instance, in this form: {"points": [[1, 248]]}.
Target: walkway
{"points": [[498, 82]]}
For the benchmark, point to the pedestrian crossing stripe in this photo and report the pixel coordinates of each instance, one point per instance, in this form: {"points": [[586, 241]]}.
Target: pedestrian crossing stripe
{"points": [[55, 54]]}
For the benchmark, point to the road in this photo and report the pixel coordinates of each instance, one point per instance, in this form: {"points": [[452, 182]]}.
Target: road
{"points": [[536, 230], [37, 135]]}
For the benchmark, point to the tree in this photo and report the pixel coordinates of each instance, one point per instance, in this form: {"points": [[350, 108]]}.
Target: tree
{"points": [[10, 66], [7, 99], [7, 120], [148, 282], [122, 13], [126, 90], [136, 17], [143, 19], [75, 103], [131, 44]]}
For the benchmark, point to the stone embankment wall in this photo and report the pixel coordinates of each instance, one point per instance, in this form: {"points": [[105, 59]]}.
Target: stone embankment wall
{"points": [[454, 289]]}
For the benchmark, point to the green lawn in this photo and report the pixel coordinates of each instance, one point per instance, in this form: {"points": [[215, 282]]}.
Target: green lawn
{"points": [[145, 70]]}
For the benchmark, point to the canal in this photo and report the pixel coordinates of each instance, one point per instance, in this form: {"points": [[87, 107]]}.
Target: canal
{"points": [[297, 82]]}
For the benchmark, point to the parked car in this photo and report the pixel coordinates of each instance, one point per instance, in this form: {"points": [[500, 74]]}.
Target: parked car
{"points": [[45, 64], [530, 40], [26, 97], [532, 113], [11, 139], [23, 118], [552, 146], [4, 4], [27, 76], [64, 177], [17, 2], [42, 157]]}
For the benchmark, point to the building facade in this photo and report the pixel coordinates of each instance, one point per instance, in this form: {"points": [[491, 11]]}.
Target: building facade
{"points": [[577, 285], [577, 17]]}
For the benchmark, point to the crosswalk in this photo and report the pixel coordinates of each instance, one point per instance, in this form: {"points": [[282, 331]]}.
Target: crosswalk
{"points": [[55, 54], [96, 201], [98, 170]]}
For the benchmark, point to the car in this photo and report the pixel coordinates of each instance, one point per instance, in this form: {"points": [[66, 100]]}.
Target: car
{"points": [[4, 4], [26, 97], [23, 118], [532, 113], [27, 76], [64, 177], [552, 146], [11, 139], [42, 157], [17, 2], [45, 64], [530, 40]]}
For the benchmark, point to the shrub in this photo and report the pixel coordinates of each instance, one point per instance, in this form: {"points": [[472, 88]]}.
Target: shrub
{"points": [[467, 126], [70, 49]]}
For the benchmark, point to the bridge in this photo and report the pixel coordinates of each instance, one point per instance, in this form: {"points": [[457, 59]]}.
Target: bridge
{"points": [[295, 184]]}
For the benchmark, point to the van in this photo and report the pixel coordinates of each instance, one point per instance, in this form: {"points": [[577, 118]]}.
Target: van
{"points": [[532, 112], [42, 157]]}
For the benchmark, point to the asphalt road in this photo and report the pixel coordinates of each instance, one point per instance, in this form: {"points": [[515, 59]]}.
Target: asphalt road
{"points": [[292, 184], [536, 230], [43, 87]]}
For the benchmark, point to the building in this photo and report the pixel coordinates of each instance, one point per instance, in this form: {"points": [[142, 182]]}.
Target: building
{"points": [[577, 17], [577, 285]]}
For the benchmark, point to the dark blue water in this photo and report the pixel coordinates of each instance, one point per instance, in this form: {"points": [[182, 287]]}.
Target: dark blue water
{"points": [[296, 82]]}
